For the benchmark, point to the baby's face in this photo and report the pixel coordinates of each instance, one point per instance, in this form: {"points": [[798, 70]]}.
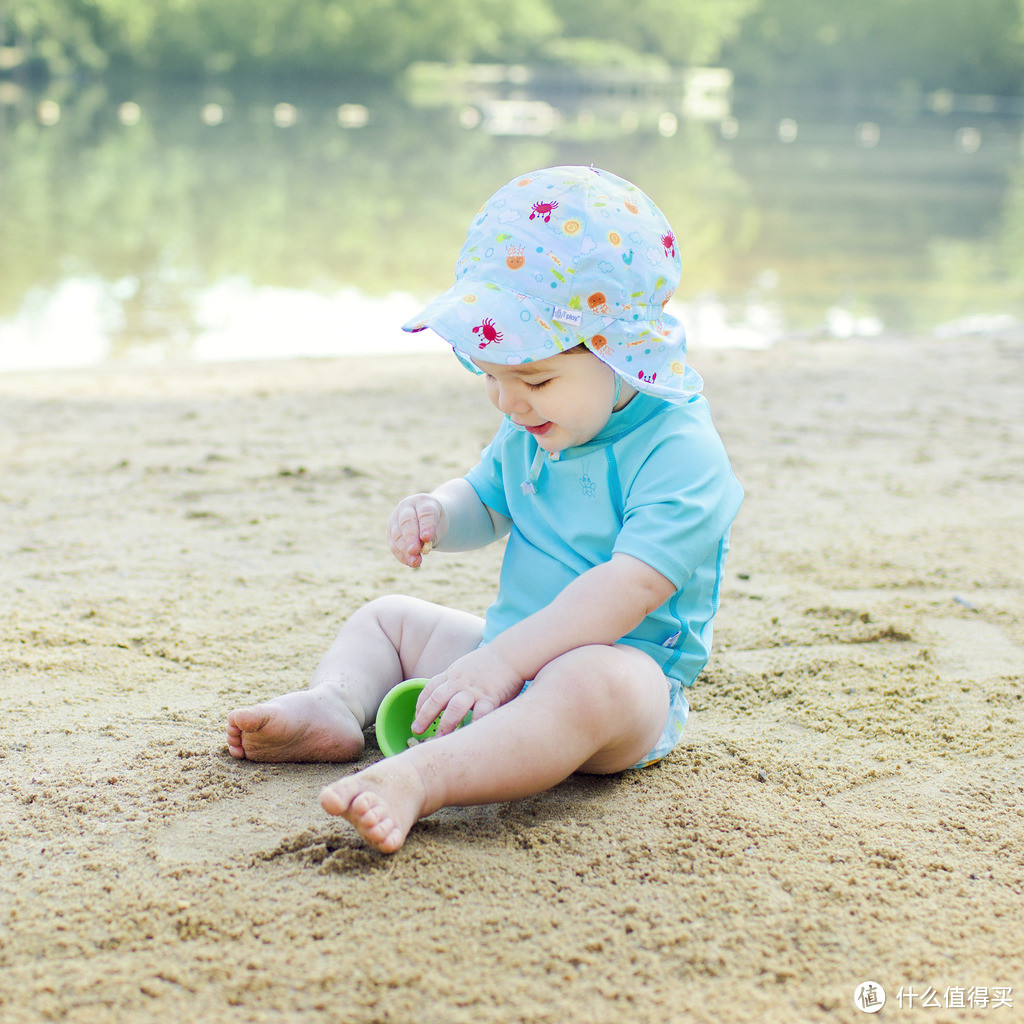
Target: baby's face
{"points": [[563, 401]]}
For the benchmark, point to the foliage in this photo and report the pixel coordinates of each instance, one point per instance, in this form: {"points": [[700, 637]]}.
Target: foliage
{"points": [[355, 37], [685, 33], [870, 45], [53, 35], [375, 37], [296, 37]]}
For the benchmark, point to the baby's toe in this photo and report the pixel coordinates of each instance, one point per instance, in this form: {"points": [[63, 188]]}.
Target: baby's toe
{"points": [[336, 798]]}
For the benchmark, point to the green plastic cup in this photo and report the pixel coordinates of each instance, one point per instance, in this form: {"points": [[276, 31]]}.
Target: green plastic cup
{"points": [[396, 714]]}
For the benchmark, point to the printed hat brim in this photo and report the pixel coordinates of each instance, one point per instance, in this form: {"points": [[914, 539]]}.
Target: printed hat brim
{"points": [[565, 256], [496, 325]]}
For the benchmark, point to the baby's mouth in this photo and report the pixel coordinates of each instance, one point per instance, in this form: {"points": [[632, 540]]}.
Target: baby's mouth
{"points": [[540, 430]]}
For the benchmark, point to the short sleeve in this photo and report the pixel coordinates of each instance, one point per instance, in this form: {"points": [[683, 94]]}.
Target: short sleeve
{"points": [[486, 476], [679, 504]]}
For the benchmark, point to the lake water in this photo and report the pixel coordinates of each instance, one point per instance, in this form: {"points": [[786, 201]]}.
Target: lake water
{"points": [[149, 225]]}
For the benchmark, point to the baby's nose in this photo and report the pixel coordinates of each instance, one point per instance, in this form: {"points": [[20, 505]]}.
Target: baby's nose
{"points": [[511, 399]]}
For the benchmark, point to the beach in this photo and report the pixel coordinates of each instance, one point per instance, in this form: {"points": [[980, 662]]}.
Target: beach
{"points": [[845, 805]]}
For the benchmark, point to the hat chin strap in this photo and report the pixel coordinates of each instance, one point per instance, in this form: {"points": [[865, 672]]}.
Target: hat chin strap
{"points": [[618, 391]]}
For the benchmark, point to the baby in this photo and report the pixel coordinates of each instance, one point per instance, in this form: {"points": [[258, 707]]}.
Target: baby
{"points": [[615, 492]]}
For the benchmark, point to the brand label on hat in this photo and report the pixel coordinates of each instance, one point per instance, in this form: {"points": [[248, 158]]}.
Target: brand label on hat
{"points": [[568, 316]]}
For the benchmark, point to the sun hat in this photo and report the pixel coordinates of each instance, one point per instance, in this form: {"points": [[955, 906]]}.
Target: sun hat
{"points": [[568, 256]]}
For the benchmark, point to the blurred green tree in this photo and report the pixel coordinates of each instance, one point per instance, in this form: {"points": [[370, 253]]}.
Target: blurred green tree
{"points": [[869, 45], [359, 37], [55, 36], [680, 33], [872, 45], [378, 38], [370, 37]]}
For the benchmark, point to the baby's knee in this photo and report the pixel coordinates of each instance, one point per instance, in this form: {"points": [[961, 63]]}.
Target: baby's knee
{"points": [[598, 674], [388, 611], [386, 604]]}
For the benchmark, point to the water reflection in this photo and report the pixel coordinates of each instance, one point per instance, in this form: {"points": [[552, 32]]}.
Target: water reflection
{"points": [[154, 226]]}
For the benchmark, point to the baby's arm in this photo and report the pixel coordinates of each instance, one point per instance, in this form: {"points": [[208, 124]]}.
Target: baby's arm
{"points": [[452, 517], [599, 607]]}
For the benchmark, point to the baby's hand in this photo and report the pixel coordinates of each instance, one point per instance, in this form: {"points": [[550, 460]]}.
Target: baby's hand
{"points": [[417, 524], [479, 682]]}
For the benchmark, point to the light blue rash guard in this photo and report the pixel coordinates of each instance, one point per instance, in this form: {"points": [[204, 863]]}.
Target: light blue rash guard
{"points": [[655, 483]]}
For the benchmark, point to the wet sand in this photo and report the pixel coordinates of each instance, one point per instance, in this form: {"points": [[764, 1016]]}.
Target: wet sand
{"points": [[846, 805]]}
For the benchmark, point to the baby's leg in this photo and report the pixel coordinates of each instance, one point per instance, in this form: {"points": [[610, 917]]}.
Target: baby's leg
{"points": [[599, 709], [388, 640]]}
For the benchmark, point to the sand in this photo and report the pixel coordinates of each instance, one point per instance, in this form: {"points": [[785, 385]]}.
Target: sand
{"points": [[846, 805]]}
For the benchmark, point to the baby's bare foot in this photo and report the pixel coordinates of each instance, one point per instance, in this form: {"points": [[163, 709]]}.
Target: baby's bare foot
{"points": [[383, 801], [308, 725]]}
